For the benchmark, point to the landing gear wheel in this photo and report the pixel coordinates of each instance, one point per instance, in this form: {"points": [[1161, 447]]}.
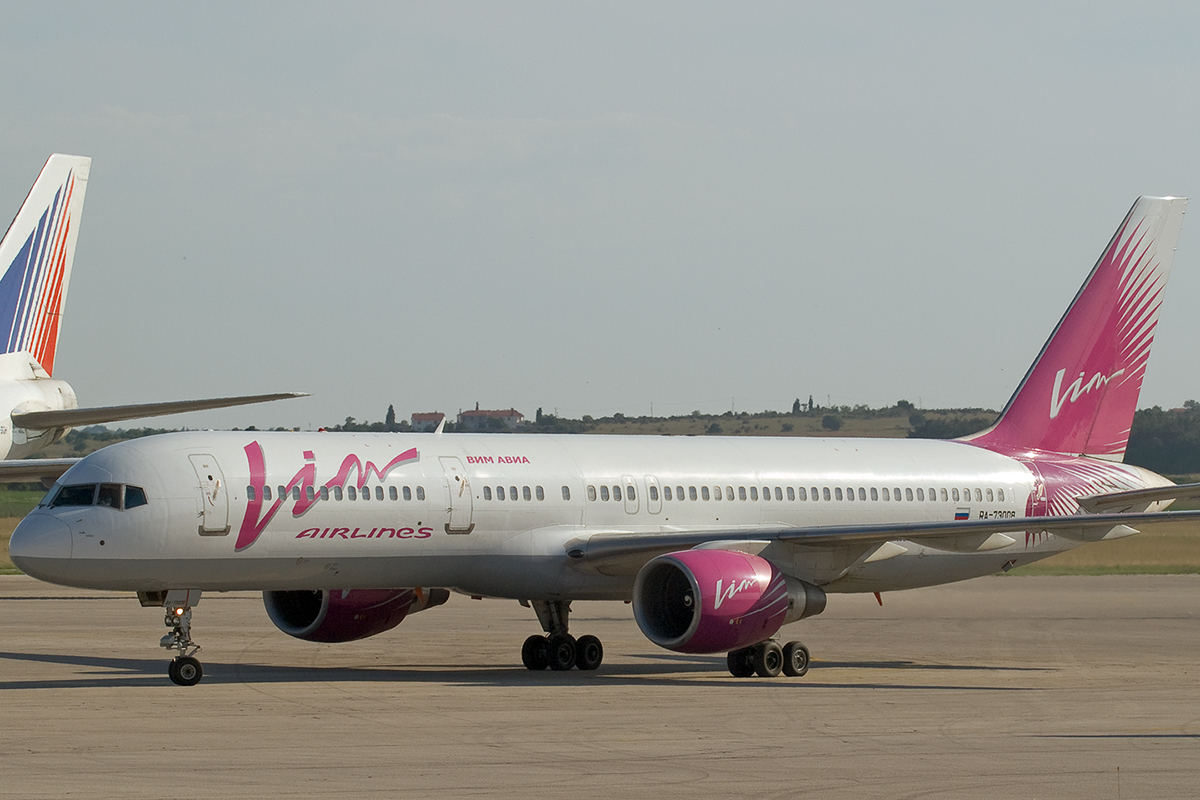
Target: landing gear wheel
{"points": [[560, 652], [739, 663], [588, 652], [795, 659], [768, 659], [185, 671], [534, 655]]}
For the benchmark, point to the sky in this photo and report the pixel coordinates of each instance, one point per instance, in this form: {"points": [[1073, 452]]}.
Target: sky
{"points": [[596, 208]]}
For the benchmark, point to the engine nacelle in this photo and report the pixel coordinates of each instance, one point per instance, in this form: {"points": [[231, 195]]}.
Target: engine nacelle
{"points": [[343, 615], [713, 601]]}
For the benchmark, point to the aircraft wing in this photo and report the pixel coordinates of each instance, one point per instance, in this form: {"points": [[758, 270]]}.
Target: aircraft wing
{"points": [[967, 536], [28, 470], [75, 417]]}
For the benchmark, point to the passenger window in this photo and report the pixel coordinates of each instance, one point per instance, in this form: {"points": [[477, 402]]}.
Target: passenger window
{"points": [[921, 495], [908, 495], [954, 494], [753, 492], [741, 492], [406, 493], [365, 493], [526, 493], [803, 493], [791, 493], [729, 492], [666, 492], [630, 493], [654, 493], [825, 493], [266, 493], [487, 493], [337, 493], [604, 493], [134, 496], [109, 495], [945, 498], [617, 493], [512, 493], [566, 493], [296, 493], [978, 496], [932, 495], [679, 493], [250, 493], [704, 492], [837, 493], [540, 493], [324, 492], [378, 492], [862, 493], [420, 492], [814, 493], [1000, 495], [887, 495], [692, 492], [716, 493], [896, 493], [591, 492], [500, 493], [874, 493], [392, 493], [282, 493], [351, 493], [766, 493], [310, 493], [778, 493], [989, 495]]}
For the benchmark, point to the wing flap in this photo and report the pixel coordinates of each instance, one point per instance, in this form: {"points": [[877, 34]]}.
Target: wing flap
{"points": [[75, 417], [28, 470], [1137, 499]]}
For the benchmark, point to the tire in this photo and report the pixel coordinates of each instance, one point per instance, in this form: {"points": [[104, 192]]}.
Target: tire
{"points": [[185, 671], [589, 652], [533, 654], [739, 663], [560, 652], [795, 659], [768, 659]]}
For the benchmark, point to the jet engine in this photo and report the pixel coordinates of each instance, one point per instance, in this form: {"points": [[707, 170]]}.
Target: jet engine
{"points": [[714, 601], [343, 615]]}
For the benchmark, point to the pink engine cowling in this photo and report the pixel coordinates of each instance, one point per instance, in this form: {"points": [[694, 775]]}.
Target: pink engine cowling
{"points": [[714, 601], [343, 615]]}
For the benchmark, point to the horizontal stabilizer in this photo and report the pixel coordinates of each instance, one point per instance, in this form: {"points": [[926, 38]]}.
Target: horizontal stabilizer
{"points": [[1138, 499], [74, 417], [29, 470]]}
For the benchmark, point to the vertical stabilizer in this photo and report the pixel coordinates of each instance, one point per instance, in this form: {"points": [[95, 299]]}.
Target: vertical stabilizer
{"points": [[1080, 394], [36, 256]]}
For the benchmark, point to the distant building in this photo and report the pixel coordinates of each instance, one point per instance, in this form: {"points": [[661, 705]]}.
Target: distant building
{"points": [[482, 420], [427, 422]]}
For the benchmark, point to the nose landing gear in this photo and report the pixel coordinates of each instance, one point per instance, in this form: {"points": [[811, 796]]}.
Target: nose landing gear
{"points": [[184, 669], [558, 649]]}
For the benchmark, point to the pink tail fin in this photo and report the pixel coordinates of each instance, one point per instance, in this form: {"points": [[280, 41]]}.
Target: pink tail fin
{"points": [[1080, 394]]}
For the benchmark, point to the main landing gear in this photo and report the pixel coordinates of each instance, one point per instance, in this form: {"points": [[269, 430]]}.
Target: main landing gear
{"points": [[767, 659], [184, 669], [558, 649]]}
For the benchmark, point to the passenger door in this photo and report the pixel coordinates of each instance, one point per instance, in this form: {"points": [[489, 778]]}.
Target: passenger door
{"points": [[214, 496], [459, 503]]}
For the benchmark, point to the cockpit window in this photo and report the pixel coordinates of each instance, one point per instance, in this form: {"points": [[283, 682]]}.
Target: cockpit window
{"points": [[134, 496], [109, 495], [103, 494], [80, 495]]}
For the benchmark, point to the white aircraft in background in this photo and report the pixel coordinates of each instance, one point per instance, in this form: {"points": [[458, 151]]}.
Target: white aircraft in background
{"points": [[717, 541], [36, 253]]}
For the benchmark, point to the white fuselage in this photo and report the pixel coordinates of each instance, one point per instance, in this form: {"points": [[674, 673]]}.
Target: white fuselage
{"points": [[496, 514]]}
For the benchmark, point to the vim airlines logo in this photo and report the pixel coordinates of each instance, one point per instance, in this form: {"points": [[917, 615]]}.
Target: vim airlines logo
{"points": [[256, 520], [1076, 389], [732, 590]]}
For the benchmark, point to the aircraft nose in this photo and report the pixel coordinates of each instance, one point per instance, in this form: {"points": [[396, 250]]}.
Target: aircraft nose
{"points": [[39, 542]]}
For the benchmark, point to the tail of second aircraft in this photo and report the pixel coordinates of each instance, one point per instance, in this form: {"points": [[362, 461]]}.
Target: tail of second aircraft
{"points": [[36, 256], [1080, 394]]}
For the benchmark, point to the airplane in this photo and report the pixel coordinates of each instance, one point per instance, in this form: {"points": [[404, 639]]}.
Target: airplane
{"points": [[36, 255], [718, 542]]}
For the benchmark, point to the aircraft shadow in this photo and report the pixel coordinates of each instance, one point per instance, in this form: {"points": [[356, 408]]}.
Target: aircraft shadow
{"points": [[99, 671]]}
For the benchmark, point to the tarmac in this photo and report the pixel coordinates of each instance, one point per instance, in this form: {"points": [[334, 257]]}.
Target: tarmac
{"points": [[1013, 687]]}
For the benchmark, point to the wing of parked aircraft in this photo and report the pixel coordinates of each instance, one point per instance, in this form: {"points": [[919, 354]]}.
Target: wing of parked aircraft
{"points": [[28, 470], [74, 417]]}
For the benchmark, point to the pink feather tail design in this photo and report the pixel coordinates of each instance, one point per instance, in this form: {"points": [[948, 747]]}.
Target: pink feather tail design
{"points": [[1079, 396]]}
